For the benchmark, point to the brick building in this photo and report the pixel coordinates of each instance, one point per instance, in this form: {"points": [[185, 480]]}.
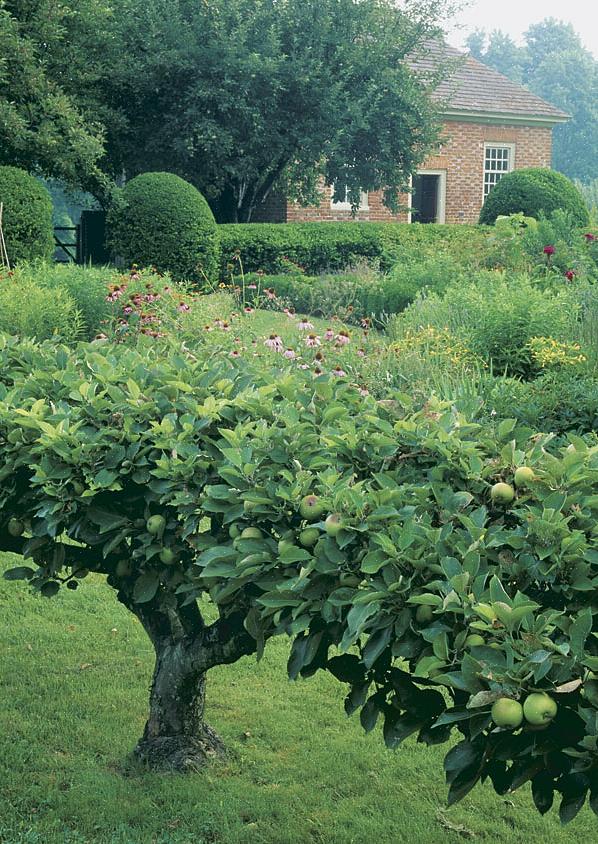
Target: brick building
{"points": [[491, 126]]}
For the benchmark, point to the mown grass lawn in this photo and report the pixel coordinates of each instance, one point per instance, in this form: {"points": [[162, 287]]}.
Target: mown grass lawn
{"points": [[74, 674]]}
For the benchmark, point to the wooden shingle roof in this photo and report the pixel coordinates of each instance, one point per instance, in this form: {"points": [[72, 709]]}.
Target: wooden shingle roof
{"points": [[471, 87]]}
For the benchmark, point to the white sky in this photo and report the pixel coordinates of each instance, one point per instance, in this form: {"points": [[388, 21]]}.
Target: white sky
{"points": [[515, 16]]}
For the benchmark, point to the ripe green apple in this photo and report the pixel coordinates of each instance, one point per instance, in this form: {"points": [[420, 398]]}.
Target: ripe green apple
{"points": [[524, 475], [311, 508], [334, 524], [16, 527], [474, 640], [309, 537], [424, 614], [251, 533], [502, 493], [155, 525], [285, 545], [539, 709], [167, 556], [248, 506], [507, 713]]}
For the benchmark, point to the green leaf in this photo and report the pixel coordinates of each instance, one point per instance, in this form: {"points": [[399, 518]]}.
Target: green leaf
{"points": [[375, 645], [19, 573], [146, 587], [50, 589], [579, 632]]}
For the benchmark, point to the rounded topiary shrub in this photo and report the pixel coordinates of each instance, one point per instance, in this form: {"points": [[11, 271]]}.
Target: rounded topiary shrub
{"points": [[164, 222], [534, 191], [26, 217]]}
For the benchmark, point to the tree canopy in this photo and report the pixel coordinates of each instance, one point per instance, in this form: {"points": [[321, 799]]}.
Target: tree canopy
{"points": [[239, 97], [554, 64], [41, 126]]}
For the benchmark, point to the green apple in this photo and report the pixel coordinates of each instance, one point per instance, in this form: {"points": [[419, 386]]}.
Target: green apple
{"points": [[309, 537], [234, 532], [539, 709], [507, 713], [248, 506], [311, 508], [251, 533], [334, 524], [155, 525], [502, 493], [524, 475], [16, 527], [474, 640], [424, 614], [285, 545], [167, 556]]}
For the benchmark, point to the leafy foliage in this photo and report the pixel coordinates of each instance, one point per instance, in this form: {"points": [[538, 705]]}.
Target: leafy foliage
{"points": [[496, 318], [532, 191], [268, 95], [27, 216], [554, 64], [42, 126], [418, 559], [323, 247], [164, 222]]}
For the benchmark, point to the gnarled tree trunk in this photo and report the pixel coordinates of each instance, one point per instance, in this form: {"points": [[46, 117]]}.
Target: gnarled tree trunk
{"points": [[176, 736]]}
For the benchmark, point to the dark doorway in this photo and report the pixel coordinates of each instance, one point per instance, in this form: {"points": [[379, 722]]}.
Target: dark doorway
{"points": [[425, 199]]}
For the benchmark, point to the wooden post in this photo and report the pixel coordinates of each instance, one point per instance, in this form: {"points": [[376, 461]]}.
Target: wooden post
{"points": [[4, 260]]}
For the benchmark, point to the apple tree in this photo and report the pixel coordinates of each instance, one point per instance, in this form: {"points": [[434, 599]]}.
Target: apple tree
{"points": [[445, 572]]}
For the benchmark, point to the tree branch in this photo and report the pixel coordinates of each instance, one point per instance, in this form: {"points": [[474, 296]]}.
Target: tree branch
{"points": [[222, 643]]}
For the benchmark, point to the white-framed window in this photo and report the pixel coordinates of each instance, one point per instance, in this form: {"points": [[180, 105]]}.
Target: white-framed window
{"points": [[498, 160], [345, 204]]}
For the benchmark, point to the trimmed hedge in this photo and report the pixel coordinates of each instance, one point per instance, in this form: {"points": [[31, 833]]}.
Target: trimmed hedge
{"points": [[324, 247], [532, 191], [27, 216], [165, 222]]}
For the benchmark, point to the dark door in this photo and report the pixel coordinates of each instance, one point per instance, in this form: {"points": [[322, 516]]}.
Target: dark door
{"points": [[424, 199]]}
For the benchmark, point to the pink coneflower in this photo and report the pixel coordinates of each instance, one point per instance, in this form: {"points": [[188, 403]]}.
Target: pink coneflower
{"points": [[207, 328], [303, 366], [304, 325], [290, 354], [237, 339], [549, 250], [329, 335], [225, 326], [248, 310], [270, 293], [363, 391], [252, 286], [312, 340], [274, 341], [589, 237], [342, 338], [235, 354], [570, 275], [135, 276], [340, 373], [361, 353], [183, 306], [289, 312], [319, 357], [318, 371], [167, 290], [218, 323]]}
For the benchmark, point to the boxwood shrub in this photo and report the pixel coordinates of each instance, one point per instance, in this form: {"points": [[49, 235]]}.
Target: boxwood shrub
{"points": [[323, 247], [27, 216], [164, 222], [532, 191]]}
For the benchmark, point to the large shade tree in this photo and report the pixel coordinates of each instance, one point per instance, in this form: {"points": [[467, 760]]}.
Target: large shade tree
{"points": [[241, 97], [42, 65]]}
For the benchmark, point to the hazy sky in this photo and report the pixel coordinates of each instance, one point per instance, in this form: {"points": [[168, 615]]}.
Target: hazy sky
{"points": [[514, 17]]}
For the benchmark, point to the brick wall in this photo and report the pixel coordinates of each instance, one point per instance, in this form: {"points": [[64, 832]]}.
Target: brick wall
{"points": [[461, 156]]}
